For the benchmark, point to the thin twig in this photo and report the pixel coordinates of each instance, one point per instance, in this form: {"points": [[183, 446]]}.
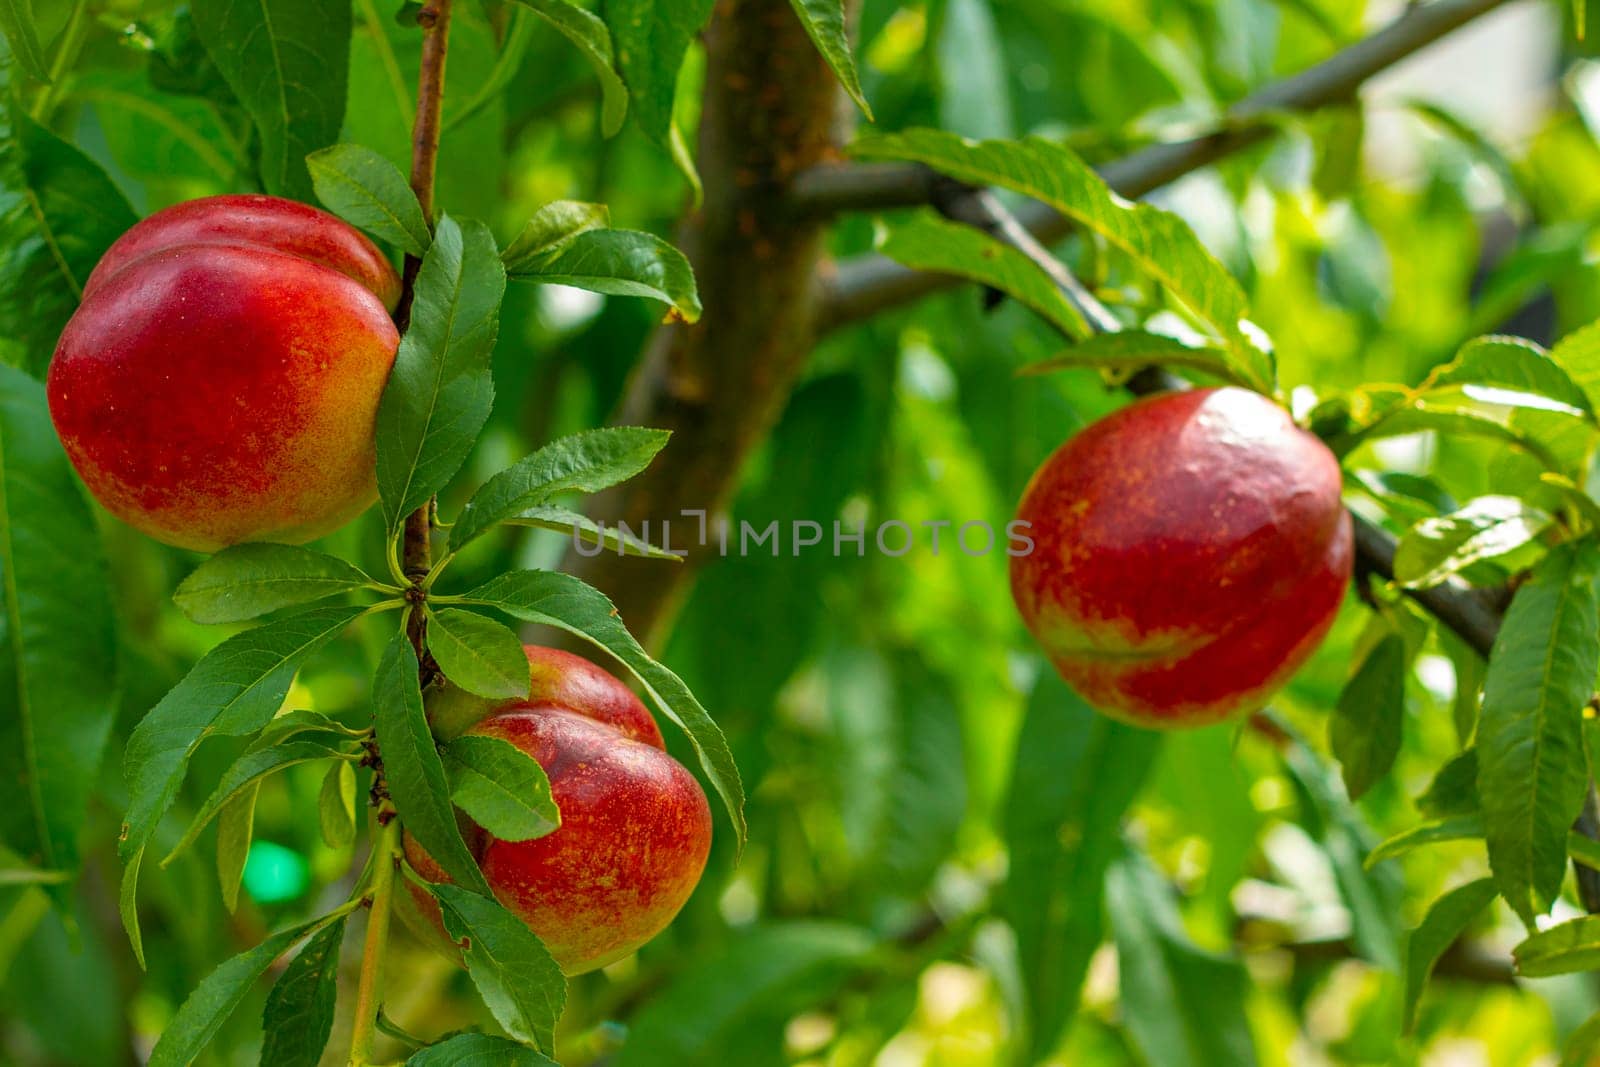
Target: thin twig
{"points": [[869, 284], [370, 987]]}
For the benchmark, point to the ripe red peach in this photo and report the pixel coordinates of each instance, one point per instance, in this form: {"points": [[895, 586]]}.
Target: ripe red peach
{"points": [[635, 826], [1190, 551], [220, 381]]}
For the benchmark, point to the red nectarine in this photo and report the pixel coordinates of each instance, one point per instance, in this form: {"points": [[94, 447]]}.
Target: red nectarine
{"points": [[220, 381], [1190, 551]]}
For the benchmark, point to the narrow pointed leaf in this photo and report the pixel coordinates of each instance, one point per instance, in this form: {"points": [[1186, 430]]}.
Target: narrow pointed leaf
{"points": [[1446, 920], [247, 772], [1131, 350], [247, 581], [1487, 528], [501, 787], [412, 768], [585, 531], [619, 263], [1562, 949], [366, 190], [1532, 770], [236, 824], [478, 654], [583, 462], [1364, 731], [551, 227], [824, 21], [1455, 828], [515, 974], [336, 805], [16, 22], [479, 1050], [592, 37], [298, 1018]]}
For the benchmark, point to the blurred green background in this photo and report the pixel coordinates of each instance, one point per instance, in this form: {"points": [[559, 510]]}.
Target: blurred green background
{"points": [[932, 815]]}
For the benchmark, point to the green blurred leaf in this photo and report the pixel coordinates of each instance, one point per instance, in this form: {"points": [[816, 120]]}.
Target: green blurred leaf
{"points": [[479, 1050], [1584, 1043], [298, 1018], [651, 38], [584, 530], [501, 787], [1364, 731], [593, 39], [246, 772], [302, 721], [1561, 949], [1510, 363], [620, 263], [478, 654], [727, 1004], [1453, 828], [247, 581], [551, 227], [288, 64], [1583, 850], [583, 462], [563, 601], [440, 391], [214, 999], [1578, 353], [368, 191], [336, 805], [1532, 771], [927, 242], [515, 974], [1447, 919], [1074, 775], [233, 690], [1183, 1006], [1131, 350], [412, 768], [1454, 790], [59, 212], [1487, 528], [1159, 242], [236, 824], [824, 21], [16, 22], [58, 659]]}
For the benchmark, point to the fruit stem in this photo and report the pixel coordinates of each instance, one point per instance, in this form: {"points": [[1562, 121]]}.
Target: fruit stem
{"points": [[381, 896]]}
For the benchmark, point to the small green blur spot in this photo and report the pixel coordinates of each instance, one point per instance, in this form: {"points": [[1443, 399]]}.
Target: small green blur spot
{"points": [[274, 874]]}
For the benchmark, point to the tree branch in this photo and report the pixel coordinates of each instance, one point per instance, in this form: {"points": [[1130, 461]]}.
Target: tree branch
{"points": [[720, 384], [869, 284]]}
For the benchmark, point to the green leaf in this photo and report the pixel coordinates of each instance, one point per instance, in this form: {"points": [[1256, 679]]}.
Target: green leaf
{"points": [[336, 805], [298, 1018], [929, 243], [412, 768], [593, 39], [440, 391], [652, 37], [1578, 354], [1487, 528], [1583, 1045], [1446, 921], [583, 462], [480, 655], [1131, 350], [288, 63], [479, 1050], [219, 993], [1183, 1006], [247, 772], [1584, 850], [236, 824], [59, 212], [825, 22], [1159, 242], [722, 1005], [501, 787], [1562, 949], [1074, 775], [1531, 766], [368, 191], [233, 690], [563, 601], [584, 530], [517, 977], [1454, 828], [247, 581], [1510, 363], [619, 263], [301, 721], [16, 22], [58, 659], [1454, 790], [1542, 428], [1364, 732], [551, 227]]}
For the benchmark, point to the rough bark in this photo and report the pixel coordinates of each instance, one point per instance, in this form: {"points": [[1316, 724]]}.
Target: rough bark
{"points": [[719, 385]]}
